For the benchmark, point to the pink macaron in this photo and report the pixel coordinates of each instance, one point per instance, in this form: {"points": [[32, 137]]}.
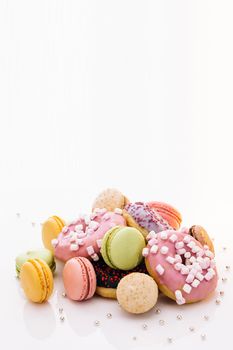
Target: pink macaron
{"points": [[79, 279], [83, 236]]}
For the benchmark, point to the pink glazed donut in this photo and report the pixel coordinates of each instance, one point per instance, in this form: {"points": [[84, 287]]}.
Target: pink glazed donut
{"points": [[82, 238], [183, 269]]}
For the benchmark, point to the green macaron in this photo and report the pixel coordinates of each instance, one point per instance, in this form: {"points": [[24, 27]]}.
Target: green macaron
{"points": [[43, 254], [122, 247]]}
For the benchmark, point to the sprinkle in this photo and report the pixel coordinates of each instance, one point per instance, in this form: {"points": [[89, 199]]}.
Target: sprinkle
{"points": [[145, 252], [144, 326], [173, 238], [99, 242], [74, 247], [170, 259], [187, 239], [187, 288], [90, 250], [97, 322], [200, 253], [118, 211], [206, 247], [179, 317], [195, 283], [189, 278], [109, 315], [159, 268], [181, 251], [54, 242], [154, 249], [95, 257], [163, 235], [164, 250], [187, 255], [211, 271], [178, 266], [179, 245], [81, 234], [161, 322]]}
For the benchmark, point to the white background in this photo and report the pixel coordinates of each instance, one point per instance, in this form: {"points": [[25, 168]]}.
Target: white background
{"points": [[135, 95]]}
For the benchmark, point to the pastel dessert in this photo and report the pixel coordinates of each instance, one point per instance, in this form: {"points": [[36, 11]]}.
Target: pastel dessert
{"points": [[108, 278], [145, 219], [50, 230], [168, 213], [110, 199], [137, 293], [200, 234], [183, 268], [79, 279], [43, 254], [83, 237], [122, 247], [36, 279]]}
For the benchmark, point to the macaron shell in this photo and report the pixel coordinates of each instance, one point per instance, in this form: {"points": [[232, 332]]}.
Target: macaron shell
{"points": [[110, 199], [79, 279], [50, 230], [105, 243], [168, 212]]}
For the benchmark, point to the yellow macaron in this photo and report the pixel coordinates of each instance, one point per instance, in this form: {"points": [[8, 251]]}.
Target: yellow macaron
{"points": [[36, 279], [50, 230]]}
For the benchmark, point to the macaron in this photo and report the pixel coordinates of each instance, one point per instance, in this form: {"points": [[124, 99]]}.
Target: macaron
{"points": [[43, 254], [50, 230], [137, 293], [201, 235], [79, 279], [110, 199], [108, 278], [36, 279], [122, 247], [142, 217], [168, 212]]}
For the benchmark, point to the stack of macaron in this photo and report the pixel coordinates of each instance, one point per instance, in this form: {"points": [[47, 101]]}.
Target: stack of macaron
{"points": [[122, 250]]}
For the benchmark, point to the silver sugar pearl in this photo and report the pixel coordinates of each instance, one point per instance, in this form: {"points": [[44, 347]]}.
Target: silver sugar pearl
{"points": [[217, 301], [97, 322], [18, 215], [109, 315], [228, 267], [64, 294], [157, 311], [134, 338], [60, 310], [33, 224], [144, 326], [192, 329], [206, 318], [224, 248], [161, 322], [224, 279], [221, 293], [169, 339], [179, 317], [62, 318], [203, 336]]}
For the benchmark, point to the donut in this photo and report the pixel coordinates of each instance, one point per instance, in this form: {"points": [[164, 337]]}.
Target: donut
{"points": [[108, 278], [168, 212], [145, 219], [183, 268], [83, 237]]}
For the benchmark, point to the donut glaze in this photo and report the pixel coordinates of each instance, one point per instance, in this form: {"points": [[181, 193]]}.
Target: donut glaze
{"points": [[83, 236], [183, 269]]}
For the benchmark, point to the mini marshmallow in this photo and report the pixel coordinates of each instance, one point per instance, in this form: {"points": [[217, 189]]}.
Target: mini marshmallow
{"points": [[206, 247], [187, 239], [90, 250], [93, 225], [87, 220], [195, 283], [184, 270], [187, 255], [112, 224], [187, 288], [178, 266], [184, 230], [192, 259], [178, 258], [73, 236], [159, 268], [99, 242], [212, 263], [211, 270], [74, 247], [170, 259], [179, 245], [152, 241], [196, 249], [197, 266], [164, 249], [199, 259], [209, 276], [154, 249], [145, 252], [209, 254], [163, 235], [81, 234], [80, 241], [106, 216], [193, 271], [181, 301], [199, 276], [152, 234], [54, 242], [201, 252], [178, 295], [78, 228], [173, 238], [95, 257], [181, 251], [191, 244], [205, 263], [118, 211], [65, 229], [89, 231], [187, 262], [189, 278]]}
